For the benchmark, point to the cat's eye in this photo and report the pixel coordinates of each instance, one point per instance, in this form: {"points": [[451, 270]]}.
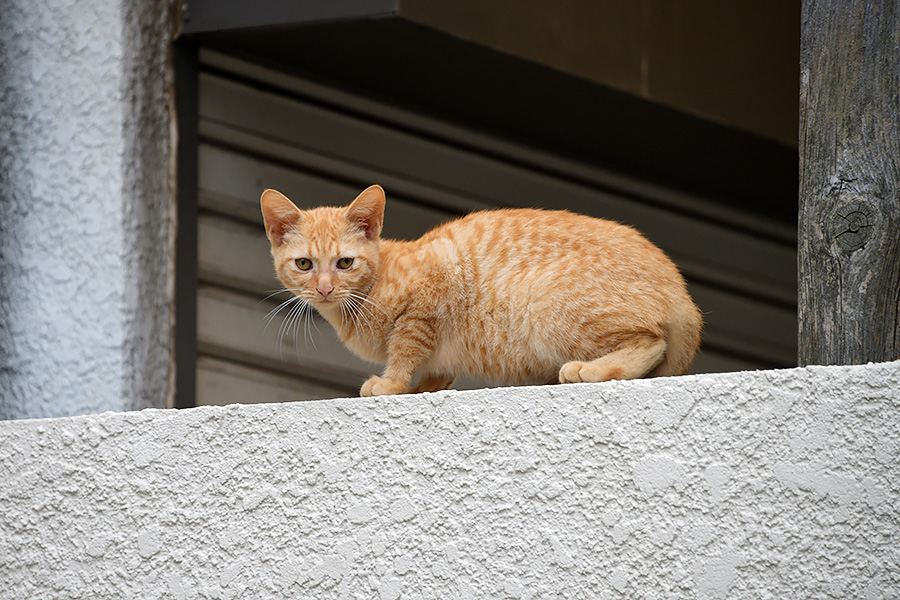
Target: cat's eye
{"points": [[344, 263], [304, 264]]}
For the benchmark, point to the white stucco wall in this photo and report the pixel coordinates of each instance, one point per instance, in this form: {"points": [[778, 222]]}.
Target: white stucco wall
{"points": [[85, 206], [776, 484]]}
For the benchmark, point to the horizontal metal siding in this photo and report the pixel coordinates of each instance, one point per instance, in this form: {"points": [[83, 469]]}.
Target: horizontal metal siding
{"points": [[461, 180], [253, 138]]}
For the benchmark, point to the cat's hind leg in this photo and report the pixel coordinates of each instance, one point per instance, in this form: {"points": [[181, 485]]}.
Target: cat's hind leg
{"points": [[433, 383], [632, 360], [683, 336]]}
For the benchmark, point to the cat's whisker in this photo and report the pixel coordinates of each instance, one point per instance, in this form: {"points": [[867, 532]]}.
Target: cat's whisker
{"points": [[271, 293], [344, 312], [361, 305], [347, 312], [367, 300], [298, 317], [300, 327], [271, 314], [315, 323], [310, 316], [307, 332], [283, 327], [359, 318], [366, 316], [358, 323], [274, 312], [360, 313], [289, 322], [293, 328]]}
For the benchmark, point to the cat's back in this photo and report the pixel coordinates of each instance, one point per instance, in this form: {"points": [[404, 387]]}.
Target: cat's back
{"points": [[555, 242], [519, 222], [530, 264]]}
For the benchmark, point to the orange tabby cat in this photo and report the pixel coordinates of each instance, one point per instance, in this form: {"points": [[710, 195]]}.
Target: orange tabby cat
{"points": [[516, 296]]}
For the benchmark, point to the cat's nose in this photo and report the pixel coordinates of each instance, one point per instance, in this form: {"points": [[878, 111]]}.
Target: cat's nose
{"points": [[324, 288]]}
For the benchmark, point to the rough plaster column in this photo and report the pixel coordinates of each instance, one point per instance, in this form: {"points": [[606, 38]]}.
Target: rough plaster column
{"points": [[768, 484], [86, 227]]}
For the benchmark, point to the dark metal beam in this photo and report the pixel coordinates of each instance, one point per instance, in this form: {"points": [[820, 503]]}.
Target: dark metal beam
{"points": [[213, 16], [434, 73], [186, 90]]}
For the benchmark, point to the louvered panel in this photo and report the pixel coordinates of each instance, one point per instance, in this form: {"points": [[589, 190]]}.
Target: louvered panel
{"points": [[287, 130], [320, 152], [221, 382]]}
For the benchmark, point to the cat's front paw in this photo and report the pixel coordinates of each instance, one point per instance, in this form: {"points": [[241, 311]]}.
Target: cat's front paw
{"points": [[379, 386], [571, 372]]}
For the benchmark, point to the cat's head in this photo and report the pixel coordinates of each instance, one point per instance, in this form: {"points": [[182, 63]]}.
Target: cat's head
{"points": [[325, 255]]}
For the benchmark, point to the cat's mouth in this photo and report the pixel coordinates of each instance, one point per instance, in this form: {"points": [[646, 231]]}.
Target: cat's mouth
{"points": [[329, 301]]}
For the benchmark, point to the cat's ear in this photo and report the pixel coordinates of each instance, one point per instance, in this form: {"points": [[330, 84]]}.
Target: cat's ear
{"points": [[367, 211], [279, 214]]}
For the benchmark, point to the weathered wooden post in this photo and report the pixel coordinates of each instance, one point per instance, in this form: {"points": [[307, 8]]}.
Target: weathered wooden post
{"points": [[849, 228]]}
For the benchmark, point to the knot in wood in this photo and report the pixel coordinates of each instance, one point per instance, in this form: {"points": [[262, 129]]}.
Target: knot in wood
{"points": [[852, 224]]}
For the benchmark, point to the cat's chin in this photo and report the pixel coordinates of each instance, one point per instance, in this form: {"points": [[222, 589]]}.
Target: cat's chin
{"points": [[327, 304]]}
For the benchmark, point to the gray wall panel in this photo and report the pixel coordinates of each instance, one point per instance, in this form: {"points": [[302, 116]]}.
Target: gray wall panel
{"points": [[320, 154]]}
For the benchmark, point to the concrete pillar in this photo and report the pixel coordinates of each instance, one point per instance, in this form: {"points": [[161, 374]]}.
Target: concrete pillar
{"points": [[86, 206]]}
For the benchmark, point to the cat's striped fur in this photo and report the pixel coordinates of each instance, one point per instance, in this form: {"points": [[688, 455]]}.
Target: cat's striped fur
{"points": [[516, 296]]}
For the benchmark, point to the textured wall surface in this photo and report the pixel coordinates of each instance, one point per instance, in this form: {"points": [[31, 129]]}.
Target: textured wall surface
{"points": [[85, 226], [770, 484]]}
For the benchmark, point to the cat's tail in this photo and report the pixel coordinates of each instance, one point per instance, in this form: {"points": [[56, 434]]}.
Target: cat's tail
{"points": [[683, 341]]}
